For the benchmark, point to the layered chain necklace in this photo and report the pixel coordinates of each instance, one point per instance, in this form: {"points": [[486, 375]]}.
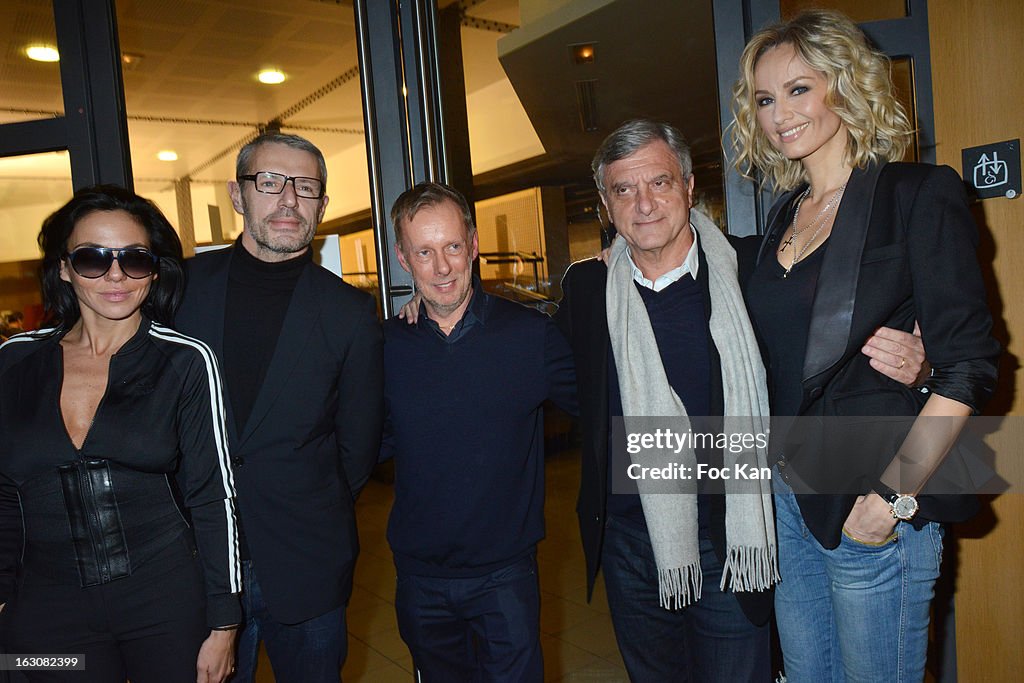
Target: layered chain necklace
{"points": [[818, 223]]}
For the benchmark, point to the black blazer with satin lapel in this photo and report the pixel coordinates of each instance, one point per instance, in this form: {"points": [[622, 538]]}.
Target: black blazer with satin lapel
{"points": [[312, 438], [902, 249], [583, 320]]}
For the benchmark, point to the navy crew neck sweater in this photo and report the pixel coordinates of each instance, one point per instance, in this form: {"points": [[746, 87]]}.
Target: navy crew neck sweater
{"points": [[465, 428]]}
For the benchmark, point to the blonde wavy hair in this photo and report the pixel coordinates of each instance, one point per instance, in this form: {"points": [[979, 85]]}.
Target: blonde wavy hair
{"points": [[860, 91]]}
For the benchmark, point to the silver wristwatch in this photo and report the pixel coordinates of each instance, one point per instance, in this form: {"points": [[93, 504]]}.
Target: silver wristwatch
{"points": [[903, 506]]}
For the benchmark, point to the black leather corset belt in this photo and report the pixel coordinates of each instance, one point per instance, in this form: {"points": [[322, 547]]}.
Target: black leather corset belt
{"points": [[93, 521]]}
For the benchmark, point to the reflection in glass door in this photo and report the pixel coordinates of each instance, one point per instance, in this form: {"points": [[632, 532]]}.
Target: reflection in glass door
{"points": [[31, 188]]}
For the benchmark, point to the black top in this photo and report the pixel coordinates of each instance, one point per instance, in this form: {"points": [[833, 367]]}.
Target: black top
{"points": [[160, 421], [257, 300], [780, 310]]}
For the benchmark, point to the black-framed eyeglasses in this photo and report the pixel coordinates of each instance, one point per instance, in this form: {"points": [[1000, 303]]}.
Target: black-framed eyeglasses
{"points": [[94, 262], [273, 183]]}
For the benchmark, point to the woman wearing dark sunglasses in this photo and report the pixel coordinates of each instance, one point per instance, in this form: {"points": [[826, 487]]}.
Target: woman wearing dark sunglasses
{"points": [[113, 424]]}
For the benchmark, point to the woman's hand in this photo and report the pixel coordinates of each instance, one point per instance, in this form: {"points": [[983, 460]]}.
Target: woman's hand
{"points": [[216, 657], [898, 355], [870, 520], [410, 310]]}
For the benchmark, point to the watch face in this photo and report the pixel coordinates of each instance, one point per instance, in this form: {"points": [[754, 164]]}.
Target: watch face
{"points": [[904, 507]]}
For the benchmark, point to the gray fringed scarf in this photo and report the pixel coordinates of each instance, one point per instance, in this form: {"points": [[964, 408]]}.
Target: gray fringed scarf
{"points": [[751, 562]]}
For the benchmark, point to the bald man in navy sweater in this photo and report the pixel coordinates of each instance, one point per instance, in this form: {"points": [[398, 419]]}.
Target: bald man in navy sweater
{"points": [[464, 388]]}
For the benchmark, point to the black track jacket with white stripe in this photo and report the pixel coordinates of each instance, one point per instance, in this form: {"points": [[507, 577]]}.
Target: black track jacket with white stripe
{"points": [[162, 415]]}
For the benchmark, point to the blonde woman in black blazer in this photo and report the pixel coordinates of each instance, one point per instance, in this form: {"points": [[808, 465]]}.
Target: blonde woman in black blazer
{"points": [[857, 242]]}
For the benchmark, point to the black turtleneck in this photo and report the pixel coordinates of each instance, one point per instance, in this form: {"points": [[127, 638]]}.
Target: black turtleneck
{"points": [[257, 301]]}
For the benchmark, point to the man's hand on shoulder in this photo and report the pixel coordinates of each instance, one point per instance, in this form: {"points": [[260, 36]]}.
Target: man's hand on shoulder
{"points": [[410, 310]]}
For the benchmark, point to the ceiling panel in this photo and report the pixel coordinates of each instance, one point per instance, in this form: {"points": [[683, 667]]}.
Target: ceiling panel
{"points": [[198, 62], [180, 13]]}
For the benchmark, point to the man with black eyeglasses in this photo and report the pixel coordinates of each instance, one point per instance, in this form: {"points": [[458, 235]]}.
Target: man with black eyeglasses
{"points": [[301, 356]]}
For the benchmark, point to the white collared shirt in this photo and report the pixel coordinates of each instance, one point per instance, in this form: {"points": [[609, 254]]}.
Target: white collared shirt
{"points": [[689, 266]]}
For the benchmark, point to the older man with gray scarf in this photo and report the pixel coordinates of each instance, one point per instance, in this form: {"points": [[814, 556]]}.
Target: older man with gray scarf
{"points": [[662, 340]]}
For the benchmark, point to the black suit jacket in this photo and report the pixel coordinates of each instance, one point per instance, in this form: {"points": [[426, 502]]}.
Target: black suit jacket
{"points": [[312, 438], [583, 320], [902, 249]]}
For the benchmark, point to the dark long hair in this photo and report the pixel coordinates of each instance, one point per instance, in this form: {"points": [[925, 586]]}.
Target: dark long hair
{"points": [[59, 298]]}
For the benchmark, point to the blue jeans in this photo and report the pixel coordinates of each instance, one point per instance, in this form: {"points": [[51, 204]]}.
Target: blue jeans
{"points": [[311, 651], [858, 613], [481, 628], [710, 641]]}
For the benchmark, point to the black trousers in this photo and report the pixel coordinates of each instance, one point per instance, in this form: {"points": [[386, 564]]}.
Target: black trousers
{"points": [[481, 628], [147, 627]]}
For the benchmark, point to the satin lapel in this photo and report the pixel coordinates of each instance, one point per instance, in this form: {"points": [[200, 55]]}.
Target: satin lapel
{"points": [[299, 322], [832, 310]]}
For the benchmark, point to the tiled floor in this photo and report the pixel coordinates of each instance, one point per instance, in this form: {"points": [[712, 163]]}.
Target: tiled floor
{"points": [[576, 637]]}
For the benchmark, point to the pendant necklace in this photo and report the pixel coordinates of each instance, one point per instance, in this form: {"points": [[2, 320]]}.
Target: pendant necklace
{"points": [[796, 215], [821, 220]]}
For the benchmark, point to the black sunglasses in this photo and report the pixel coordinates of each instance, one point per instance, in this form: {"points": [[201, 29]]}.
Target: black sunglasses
{"points": [[94, 262]]}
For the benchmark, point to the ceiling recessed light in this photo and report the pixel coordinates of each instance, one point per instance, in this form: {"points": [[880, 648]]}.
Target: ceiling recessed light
{"points": [[42, 53], [167, 155], [271, 76], [130, 61], [584, 53]]}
